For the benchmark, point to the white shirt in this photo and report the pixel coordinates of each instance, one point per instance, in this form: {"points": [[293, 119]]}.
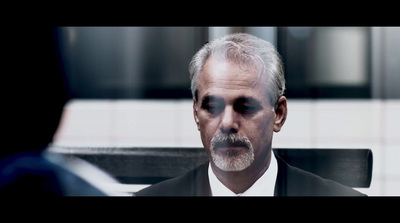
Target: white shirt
{"points": [[264, 186]]}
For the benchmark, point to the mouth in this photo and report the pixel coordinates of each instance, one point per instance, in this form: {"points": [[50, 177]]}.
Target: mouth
{"points": [[231, 149], [230, 145]]}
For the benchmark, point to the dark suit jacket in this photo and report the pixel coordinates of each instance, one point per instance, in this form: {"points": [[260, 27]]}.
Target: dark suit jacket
{"points": [[291, 181]]}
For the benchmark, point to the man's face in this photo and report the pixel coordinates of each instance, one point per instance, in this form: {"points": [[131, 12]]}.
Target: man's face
{"points": [[234, 115]]}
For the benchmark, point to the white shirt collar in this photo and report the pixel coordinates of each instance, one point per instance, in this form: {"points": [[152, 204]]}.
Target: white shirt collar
{"points": [[264, 186]]}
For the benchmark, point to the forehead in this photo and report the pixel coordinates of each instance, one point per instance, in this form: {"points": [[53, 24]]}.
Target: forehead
{"points": [[224, 78]]}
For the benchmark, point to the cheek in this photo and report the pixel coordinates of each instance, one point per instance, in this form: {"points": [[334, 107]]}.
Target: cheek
{"points": [[208, 128], [261, 130]]}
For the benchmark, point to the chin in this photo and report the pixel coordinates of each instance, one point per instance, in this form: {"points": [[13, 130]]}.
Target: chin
{"points": [[233, 163]]}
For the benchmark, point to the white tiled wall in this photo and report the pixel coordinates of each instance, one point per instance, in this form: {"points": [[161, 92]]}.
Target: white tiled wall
{"points": [[373, 124]]}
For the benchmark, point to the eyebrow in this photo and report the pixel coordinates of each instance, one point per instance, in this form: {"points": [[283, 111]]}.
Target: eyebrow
{"points": [[249, 100], [209, 98], [242, 99]]}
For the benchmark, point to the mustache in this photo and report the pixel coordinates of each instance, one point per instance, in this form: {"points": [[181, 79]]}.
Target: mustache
{"points": [[221, 140]]}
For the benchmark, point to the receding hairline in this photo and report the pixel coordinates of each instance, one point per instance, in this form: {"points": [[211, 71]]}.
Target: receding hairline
{"points": [[258, 80]]}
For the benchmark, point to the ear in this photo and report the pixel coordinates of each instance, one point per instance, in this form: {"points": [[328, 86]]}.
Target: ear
{"points": [[196, 118], [280, 113]]}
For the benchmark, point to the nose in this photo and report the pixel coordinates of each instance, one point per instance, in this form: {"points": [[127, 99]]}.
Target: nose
{"points": [[229, 122]]}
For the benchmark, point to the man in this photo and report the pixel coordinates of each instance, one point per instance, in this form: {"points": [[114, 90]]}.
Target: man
{"points": [[238, 103]]}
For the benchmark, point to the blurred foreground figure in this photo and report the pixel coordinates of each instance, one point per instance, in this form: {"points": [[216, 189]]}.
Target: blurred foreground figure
{"points": [[35, 96]]}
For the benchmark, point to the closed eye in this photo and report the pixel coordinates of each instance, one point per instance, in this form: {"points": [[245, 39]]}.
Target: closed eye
{"points": [[246, 109], [213, 105], [247, 106]]}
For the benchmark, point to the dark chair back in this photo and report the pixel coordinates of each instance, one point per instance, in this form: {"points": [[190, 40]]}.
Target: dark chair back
{"points": [[149, 165]]}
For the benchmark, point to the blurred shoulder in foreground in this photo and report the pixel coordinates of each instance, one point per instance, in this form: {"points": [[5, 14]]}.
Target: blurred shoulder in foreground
{"points": [[35, 94]]}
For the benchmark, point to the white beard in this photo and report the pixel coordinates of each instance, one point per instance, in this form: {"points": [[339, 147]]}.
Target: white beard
{"points": [[231, 161]]}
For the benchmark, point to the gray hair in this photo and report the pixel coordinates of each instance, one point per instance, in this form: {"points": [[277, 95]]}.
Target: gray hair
{"points": [[244, 49]]}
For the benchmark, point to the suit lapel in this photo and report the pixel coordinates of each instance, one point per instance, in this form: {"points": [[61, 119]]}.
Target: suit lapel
{"points": [[281, 183], [201, 181]]}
